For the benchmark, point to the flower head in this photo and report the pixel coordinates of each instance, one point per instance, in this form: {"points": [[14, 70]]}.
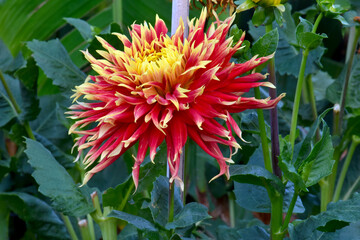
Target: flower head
{"points": [[165, 88]]}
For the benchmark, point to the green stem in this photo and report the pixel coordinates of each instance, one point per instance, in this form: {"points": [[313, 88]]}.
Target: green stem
{"points": [[324, 189], [117, 12], [69, 227], [126, 197], [290, 211], [84, 229], [349, 64], [276, 215], [108, 229], [232, 209], [310, 91], [332, 178], [171, 201], [264, 141], [351, 189], [299, 86], [91, 227], [354, 143]]}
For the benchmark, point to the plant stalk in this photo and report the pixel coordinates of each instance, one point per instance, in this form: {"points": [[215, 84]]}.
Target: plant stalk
{"points": [[91, 227], [117, 10], [354, 143], [171, 201], [69, 227], [275, 146], [276, 215], [299, 86], [290, 211], [349, 64], [264, 141]]}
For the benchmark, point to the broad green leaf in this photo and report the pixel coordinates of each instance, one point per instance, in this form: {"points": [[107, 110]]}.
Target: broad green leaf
{"points": [[82, 26], [159, 205], [7, 113], [23, 20], [256, 198], [309, 40], [54, 60], [337, 216], [118, 197], [5, 57], [138, 222], [40, 218], [129, 232], [66, 160], [353, 94], [320, 161], [256, 175], [266, 45], [55, 183], [190, 214]]}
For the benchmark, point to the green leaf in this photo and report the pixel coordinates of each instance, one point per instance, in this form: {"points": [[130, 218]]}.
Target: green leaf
{"points": [[54, 60], [336, 216], [257, 198], [66, 160], [320, 161], [138, 222], [55, 183], [39, 217], [190, 214], [159, 205], [256, 175], [4, 168], [307, 39], [6, 111], [267, 44], [119, 196], [28, 76], [254, 233], [5, 57], [82, 26]]}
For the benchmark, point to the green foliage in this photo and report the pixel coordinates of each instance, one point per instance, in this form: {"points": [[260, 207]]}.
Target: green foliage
{"points": [[66, 196], [138, 222], [266, 45], [40, 218], [337, 216]]}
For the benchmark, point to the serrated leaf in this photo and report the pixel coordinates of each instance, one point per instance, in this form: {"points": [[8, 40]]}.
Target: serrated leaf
{"points": [[54, 60], [82, 26], [55, 183], [256, 175], [39, 217], [190, 214], [66, 160], [159, 205], [138, 222], [267, 44], [336, 216]]}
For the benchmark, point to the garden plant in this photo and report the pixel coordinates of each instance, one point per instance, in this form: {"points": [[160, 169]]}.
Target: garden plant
{"points": [[201, 119]]}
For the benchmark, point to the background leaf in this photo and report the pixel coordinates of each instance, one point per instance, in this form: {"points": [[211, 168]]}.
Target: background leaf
{"points": [[138, 222], [55, 183]]}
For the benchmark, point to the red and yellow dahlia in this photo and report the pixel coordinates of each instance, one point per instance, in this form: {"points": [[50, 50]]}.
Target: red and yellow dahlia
{"points": [[164, 88]]}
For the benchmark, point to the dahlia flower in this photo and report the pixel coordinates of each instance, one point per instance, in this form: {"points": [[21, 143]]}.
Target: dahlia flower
{"points": [[164, 88]]}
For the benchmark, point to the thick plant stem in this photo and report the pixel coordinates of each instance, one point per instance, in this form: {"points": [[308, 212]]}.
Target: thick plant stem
{"points": [[117, 12], [69, 227], [290, 211], [276, 215], [171, 201], [275, 146], [354, 143], [349, 64], [299, 86], [264, 141], [91, 227]]}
